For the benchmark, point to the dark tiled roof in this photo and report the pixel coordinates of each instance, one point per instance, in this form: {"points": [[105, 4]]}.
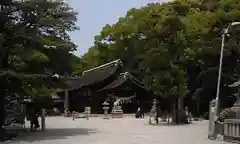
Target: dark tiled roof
{"points": [[116, 83], [122, 79], [95, 75], [72, 82]]}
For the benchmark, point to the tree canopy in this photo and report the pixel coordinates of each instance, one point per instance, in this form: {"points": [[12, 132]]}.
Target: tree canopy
{"points": [[34, 44], [173, 47]]}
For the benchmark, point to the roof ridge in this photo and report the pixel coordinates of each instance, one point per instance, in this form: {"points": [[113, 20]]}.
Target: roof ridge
{"points": [[129, 75], [118, 61]]}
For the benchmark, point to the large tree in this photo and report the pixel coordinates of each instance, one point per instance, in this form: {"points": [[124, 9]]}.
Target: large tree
{"points": [[33, 35], [174, 48]]}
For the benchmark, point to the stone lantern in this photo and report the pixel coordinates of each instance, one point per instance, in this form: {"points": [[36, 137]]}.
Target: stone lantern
{"points": [[105, 108], [236, 106]]}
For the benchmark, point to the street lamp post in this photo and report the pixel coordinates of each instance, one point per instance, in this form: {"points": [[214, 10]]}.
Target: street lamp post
{"points": [[217, 104], [225, 32]]}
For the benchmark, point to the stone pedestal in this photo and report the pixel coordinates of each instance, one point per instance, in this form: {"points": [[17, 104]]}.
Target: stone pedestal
{"points": [[105, 112], [105, 108], [117, 112]]}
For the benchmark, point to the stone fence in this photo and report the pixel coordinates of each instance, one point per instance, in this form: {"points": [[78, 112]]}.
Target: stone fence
{"points": [[232, 130]]}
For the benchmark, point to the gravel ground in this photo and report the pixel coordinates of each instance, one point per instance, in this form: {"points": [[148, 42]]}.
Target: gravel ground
{"points": [[115, 131]]}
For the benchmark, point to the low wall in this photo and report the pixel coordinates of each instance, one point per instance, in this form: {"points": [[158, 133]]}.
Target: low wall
{"points": [[232, 130]]}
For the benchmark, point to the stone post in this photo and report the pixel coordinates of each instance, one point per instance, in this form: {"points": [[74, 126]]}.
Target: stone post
{"points": [[212, 120], [43, 122], [105, 108]]}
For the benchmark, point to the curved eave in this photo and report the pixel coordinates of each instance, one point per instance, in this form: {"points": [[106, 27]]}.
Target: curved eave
{"points": [[140, 86], [133, 78], [135, 81], [116, 83], [97, 75], [123, 78]]}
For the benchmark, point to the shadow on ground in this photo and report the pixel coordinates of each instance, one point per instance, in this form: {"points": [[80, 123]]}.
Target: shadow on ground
{"points": [[51, 134]]}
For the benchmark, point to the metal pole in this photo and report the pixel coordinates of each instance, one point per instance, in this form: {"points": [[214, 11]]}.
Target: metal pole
{"points": [[216, 109], [217, 102], [220, 73], [225, 32]]}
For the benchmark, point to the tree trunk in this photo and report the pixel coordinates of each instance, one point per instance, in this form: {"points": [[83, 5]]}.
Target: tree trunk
{"points": [[175, 112], [2, 110], [198, 109], [180, 110], [3, 82]]}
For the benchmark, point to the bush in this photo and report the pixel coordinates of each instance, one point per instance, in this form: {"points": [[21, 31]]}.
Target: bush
{"points": [[226, 113]]}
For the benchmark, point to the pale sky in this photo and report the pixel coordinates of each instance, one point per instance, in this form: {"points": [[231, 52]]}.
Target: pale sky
{"points": [[94, 14]]}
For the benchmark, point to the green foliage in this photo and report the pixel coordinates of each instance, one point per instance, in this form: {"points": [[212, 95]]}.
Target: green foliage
{"points": [[34, 44], [39, 37], [173, 47]]}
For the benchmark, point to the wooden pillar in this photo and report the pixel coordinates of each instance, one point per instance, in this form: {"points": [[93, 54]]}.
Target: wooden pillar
{"points": [[198, 108], [66, 100], [24, 113]]}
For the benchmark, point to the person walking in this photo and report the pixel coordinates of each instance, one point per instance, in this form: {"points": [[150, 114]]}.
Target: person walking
{"points": [[33, 118], [73, 115], [138, 113]]}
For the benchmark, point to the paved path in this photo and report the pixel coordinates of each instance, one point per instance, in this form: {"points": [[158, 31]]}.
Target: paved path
{"points": [[115, 131]]}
